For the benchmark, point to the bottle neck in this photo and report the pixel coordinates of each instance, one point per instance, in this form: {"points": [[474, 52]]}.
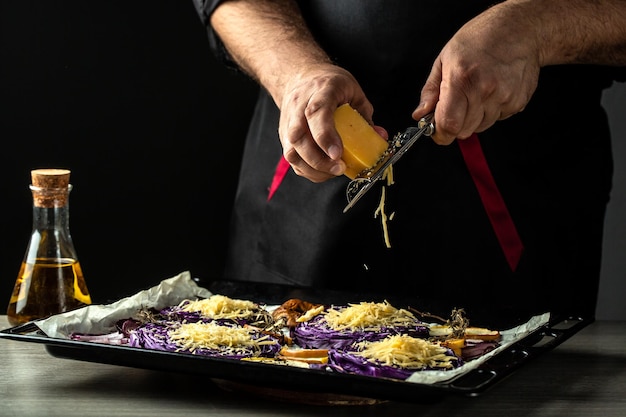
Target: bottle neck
{"points": [[51, 208], [56, 218], [51, 237]]}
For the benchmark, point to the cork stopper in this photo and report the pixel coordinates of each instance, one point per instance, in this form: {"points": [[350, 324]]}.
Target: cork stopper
{"points": [[50, 178], [50, 187]]}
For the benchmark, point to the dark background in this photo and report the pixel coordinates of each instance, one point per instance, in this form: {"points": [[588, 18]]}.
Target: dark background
{"points": [[127, 95]]}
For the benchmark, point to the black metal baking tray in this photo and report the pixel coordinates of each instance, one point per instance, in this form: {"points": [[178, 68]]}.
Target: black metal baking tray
{"points": [[307, 381]]}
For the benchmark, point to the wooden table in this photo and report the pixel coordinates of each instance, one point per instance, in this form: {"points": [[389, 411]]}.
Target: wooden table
{"points": [[585, 376]]}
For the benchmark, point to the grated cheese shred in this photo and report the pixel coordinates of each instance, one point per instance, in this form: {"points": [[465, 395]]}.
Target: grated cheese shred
{"points": [[309, 314], [212, 336], [383, 216], [387, 175], [221, 307], [406, 352], [368, 315]]}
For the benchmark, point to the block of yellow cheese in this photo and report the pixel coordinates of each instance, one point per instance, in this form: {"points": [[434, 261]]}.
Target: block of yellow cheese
{"points": [[362, 146]]}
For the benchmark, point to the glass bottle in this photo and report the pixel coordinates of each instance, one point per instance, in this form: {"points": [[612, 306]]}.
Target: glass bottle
{"points": [[50, 280]]}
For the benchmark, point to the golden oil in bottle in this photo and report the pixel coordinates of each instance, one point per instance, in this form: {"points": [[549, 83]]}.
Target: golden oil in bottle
{"points": [[50, 280]]}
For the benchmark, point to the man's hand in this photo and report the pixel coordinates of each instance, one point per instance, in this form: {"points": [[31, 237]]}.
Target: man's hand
{"points": [[271, 42], [489, 70], [307, 130], [485, 73]]}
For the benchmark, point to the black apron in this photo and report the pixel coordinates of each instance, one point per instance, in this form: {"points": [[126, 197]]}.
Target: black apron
{"points": [[552, 164]]}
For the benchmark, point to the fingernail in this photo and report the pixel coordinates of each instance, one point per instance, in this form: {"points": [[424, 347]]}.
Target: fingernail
{"points": [[337, 169], [420, 106], [334, 152]]}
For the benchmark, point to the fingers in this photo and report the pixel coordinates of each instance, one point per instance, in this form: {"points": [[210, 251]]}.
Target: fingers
{"points": [[314, 157], [473, 103], [487, 72], [449, 114], [464, 108], [307, 131]]}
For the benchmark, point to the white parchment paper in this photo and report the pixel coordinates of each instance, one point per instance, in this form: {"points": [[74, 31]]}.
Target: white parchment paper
{"points": [[508, 338], [100, 319]]}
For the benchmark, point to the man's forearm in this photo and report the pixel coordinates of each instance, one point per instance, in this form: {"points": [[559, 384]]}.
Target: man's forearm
{"points": [[573, 31], [268, 39]]}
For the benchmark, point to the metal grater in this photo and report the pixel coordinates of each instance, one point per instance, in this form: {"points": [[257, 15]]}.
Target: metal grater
{"points": [[397, 147]]}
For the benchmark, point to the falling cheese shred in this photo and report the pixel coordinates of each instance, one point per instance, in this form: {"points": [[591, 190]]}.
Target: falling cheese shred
{"points": [[368, 316], [220, 307], [383, 216], [387, 175], [406, 352], [212, 336]]}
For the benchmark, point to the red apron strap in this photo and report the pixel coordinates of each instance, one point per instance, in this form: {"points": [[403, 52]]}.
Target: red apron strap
{"points": [[279, 175], [493, 202]]}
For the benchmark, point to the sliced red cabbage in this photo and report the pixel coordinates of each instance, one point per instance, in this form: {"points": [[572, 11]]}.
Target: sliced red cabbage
{"points": [[156, 336], [348, 362], [317, 334]]}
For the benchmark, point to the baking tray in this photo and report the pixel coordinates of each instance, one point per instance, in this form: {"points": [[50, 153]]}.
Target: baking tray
{"points": [[301, 380]]}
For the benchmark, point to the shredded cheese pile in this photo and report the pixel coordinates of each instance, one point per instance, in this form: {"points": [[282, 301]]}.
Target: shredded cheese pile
{"points": [[221, 307], [212, 336], [406, 352], [370, 316]]}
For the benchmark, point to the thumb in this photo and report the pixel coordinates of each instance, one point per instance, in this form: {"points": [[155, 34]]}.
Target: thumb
{"points": [[430, 92], [382, 132]]}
